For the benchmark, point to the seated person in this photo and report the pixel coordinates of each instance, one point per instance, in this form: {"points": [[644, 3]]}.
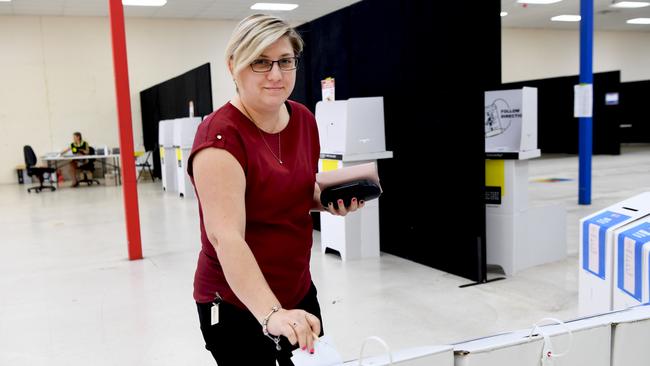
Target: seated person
{"points": [[78, 147]]}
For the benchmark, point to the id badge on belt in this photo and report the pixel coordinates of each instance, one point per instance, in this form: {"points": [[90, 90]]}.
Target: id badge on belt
{"points": [[214, 310]]}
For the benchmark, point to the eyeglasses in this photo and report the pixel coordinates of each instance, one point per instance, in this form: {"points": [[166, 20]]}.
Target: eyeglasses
{"points": [[285, 64]]}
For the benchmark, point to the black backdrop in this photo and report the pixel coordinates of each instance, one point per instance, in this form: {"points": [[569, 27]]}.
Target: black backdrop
{"points": [[432, 72], [557, 129], [170, 99], [634, 99]]}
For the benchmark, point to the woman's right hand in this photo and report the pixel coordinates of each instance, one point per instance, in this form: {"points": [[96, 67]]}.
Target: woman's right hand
{"points": [[298, 326]]}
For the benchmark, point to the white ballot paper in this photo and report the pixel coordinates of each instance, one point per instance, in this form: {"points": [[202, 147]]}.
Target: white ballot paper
{"points": [[325, 354]]}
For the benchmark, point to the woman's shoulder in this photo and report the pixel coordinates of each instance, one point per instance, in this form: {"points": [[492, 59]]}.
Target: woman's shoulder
{"points": [[226, 115], [223, 119]]}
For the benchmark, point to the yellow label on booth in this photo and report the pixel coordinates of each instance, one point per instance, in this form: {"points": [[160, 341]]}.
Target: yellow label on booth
{"points": [[162, 152], [330, 165], [495, 175], [179, 156]]}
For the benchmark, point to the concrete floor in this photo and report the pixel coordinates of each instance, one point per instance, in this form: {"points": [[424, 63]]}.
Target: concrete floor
{"points": [[69, 296]]}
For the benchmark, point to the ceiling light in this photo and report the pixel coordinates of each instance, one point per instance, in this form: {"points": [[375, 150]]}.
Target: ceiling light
{"points": [[639, 21], [274, 6], [541, 2], [4, 1], [144, 2], [630, 4], [566, 18], [504, 13]]}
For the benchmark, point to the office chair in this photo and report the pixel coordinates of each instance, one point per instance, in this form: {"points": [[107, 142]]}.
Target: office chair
{"points": [[88, 167], [33, 170], [144, 165]]}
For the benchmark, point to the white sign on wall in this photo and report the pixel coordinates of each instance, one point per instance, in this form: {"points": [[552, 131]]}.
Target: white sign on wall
{"points": [[511, 120]]}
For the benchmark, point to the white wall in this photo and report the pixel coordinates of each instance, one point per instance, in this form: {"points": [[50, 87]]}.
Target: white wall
{"points": [[539, 53], [56, 77]]}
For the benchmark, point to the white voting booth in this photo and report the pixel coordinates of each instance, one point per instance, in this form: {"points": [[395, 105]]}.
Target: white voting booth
{"points": [[184, 131], [597, 245], [175, 138], [518, 235], [167, 155], [351, 132]]}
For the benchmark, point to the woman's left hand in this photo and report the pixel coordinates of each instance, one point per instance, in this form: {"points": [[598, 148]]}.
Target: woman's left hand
{"points": [[342, 210]]}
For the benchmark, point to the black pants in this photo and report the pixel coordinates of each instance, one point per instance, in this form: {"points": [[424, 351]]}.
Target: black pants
{"points": [[238, 339]]}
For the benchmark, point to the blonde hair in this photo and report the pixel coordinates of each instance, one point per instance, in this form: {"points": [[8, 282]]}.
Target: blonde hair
{"points": [[253, 35]]}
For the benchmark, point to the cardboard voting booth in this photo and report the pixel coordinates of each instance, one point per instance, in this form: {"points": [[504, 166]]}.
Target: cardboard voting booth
{"points": [[351, 133], [515, 240], [184, 130], [167, 155], [511, 120], [353, 126]]}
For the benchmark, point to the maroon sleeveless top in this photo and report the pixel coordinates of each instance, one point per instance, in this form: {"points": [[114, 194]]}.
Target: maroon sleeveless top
{"points": [[278, 200]]}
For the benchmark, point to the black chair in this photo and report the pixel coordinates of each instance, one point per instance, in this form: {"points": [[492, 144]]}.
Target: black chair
{"points": [[88, 167], [145, 166], [34, 171]]}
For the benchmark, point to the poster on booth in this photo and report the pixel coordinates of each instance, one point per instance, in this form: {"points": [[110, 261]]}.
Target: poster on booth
{"points": [[327, 88], [632, 247], [594, 240], [511, 120]]}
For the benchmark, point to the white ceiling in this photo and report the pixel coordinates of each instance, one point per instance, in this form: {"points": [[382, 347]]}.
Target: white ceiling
{"points": [[188, 9], [539, 16], [531, 16]]}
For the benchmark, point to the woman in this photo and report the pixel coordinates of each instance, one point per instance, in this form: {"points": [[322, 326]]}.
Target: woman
{"points": [[78, 147], [253, 165]]}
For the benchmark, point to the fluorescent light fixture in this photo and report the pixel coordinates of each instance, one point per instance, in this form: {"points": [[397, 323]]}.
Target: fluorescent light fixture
{"points": [[504, 13], [540, 2], [566, 18], [4, 1], [274, 6], [144, 2], [639, 21], [630, 4]]}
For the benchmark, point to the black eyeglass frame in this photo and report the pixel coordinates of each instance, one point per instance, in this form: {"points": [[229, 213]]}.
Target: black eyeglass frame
{"points": [[295, 58]]}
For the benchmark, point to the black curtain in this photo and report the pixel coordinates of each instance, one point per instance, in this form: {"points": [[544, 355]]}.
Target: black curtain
{"points": [[170, 99], [432, 75], [635, 119], [557, 129]]}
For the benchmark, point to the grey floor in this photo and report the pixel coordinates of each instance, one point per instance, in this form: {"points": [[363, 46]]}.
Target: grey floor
{"points": [[69, 296]]}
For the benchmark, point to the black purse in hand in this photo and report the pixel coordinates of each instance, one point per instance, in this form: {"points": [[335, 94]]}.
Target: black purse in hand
{"points": [[362, 190], [358, 181]]}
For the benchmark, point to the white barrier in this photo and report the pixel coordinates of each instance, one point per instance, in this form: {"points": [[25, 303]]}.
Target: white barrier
{"points": [[631, 337], [612, 339], [577, 343]]}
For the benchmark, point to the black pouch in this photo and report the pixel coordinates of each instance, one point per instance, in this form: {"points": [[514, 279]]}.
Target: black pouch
{"points": [[363, 190]]}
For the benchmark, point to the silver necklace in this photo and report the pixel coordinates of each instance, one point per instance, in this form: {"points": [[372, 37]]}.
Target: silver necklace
{"points": [[277, 157]]}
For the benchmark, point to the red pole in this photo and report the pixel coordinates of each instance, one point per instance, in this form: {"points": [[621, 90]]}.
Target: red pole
{"points": [[127, 161]]}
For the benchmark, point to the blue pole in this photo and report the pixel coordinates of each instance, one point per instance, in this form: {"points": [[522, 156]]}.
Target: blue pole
{"points": [[587, 77]]}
